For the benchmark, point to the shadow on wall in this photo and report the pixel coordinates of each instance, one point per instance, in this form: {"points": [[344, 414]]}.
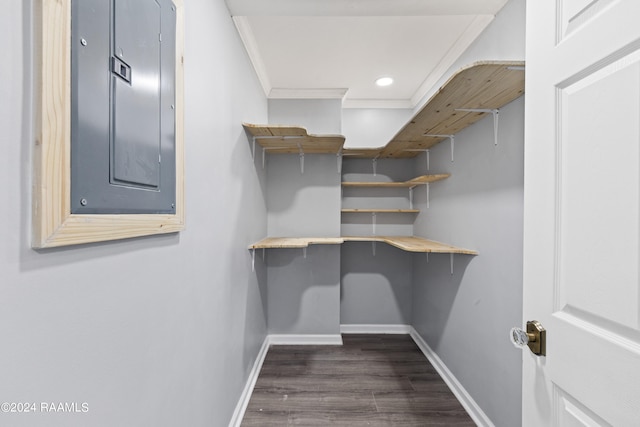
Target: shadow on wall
{"points": [[435, 291], [375, 287], [303, 293]]}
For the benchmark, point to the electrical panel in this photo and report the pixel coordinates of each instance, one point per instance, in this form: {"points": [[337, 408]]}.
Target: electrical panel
{"points": [[123, 107]]}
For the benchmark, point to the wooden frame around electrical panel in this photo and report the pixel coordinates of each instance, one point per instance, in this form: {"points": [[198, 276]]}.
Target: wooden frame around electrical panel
{"points": [[53, 223]]}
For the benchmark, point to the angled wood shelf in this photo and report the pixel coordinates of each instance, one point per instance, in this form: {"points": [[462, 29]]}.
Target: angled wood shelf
{"points": [[294, 242], [366, 210], [280, 139], [406, 243], [413, 244], [420, 180], [483, 85]]}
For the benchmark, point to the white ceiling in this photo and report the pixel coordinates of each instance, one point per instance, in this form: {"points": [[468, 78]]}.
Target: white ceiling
{"points": [[337, 48]]}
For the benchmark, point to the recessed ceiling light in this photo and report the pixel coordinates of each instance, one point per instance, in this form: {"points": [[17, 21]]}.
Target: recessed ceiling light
{"points": [[384, 81]]}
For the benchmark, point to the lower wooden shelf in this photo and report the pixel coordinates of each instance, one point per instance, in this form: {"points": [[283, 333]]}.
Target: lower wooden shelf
{"points": [[406, 243], [367, 210], [294, 242], [413, 244]]}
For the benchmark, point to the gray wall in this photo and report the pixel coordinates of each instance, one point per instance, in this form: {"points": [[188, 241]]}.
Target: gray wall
{"points": [[319, 116], [158, 331], [372, 127], [376, 289], [304, 293], [465, 317]]}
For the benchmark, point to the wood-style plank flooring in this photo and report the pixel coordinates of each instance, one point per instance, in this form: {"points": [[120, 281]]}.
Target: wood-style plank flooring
{"points": [[371, 380]]}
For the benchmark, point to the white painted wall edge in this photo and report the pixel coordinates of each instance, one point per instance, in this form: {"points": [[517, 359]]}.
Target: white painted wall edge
{"points": [[243, 402], [465, 399], [375, 329]]}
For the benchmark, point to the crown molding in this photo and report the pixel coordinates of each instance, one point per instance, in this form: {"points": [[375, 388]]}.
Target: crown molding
{"points": [[469, 35], [251, 46]]}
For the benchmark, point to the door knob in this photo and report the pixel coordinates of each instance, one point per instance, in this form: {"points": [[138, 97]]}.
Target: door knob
{"points": [[535, 337]]}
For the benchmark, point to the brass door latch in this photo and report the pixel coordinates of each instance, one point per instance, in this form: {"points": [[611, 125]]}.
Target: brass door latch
{"points": [[535, 337]]}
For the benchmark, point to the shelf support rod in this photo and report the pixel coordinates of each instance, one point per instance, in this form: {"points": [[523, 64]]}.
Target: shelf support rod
{"points": [[304, 253], [427, 195], [451, 138], [253, 149], [496, 116], [427, 253], [253, 259], [263, 251], [339, 157], [374, 164], [451, 259], [373, 222], [410, 197], [373, 248], [301, 158], [426, 150]]}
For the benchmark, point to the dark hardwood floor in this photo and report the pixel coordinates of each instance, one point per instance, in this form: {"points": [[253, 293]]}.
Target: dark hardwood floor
{"points": [[371, 380]]}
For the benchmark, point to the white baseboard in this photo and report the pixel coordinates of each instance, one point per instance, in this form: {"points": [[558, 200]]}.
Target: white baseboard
{"points": [[475, 412], [375, 329], [311, 339], [243, 402]]}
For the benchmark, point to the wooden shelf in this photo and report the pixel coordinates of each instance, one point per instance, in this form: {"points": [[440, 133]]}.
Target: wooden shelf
{"points": [[483, 85], [279, 139], [294, 242], [406, 243], [420, 180], [380, 210], [413, 244]]}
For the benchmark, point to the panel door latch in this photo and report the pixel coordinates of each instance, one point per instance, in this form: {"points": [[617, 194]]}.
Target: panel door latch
{"points": [[535, 337], [121, 69]]}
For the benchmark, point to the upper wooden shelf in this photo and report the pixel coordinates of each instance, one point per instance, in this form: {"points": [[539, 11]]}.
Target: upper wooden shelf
{"points": [[482, 85], [420, 180], [280, 139], [406, 243]]}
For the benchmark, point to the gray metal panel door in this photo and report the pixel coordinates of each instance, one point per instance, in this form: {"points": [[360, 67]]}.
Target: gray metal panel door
{"points": [[123, 98], [135, 103]]}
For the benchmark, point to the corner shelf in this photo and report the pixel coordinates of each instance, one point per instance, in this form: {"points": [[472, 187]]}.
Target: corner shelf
{"points": [[482, 87], [406, 243], [420, 180], [280, 139], [413, 244]]}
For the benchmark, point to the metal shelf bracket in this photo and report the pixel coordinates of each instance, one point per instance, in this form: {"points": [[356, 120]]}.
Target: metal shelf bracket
{"points": [[496, 115], [451, 138]]}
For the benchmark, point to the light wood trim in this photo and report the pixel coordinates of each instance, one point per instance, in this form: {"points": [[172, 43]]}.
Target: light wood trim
{"points": [[413, 244], [294, 242], [406, 243], [420, 180], [53, 223], [486, 85], [380, 210], [293, 139]]}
